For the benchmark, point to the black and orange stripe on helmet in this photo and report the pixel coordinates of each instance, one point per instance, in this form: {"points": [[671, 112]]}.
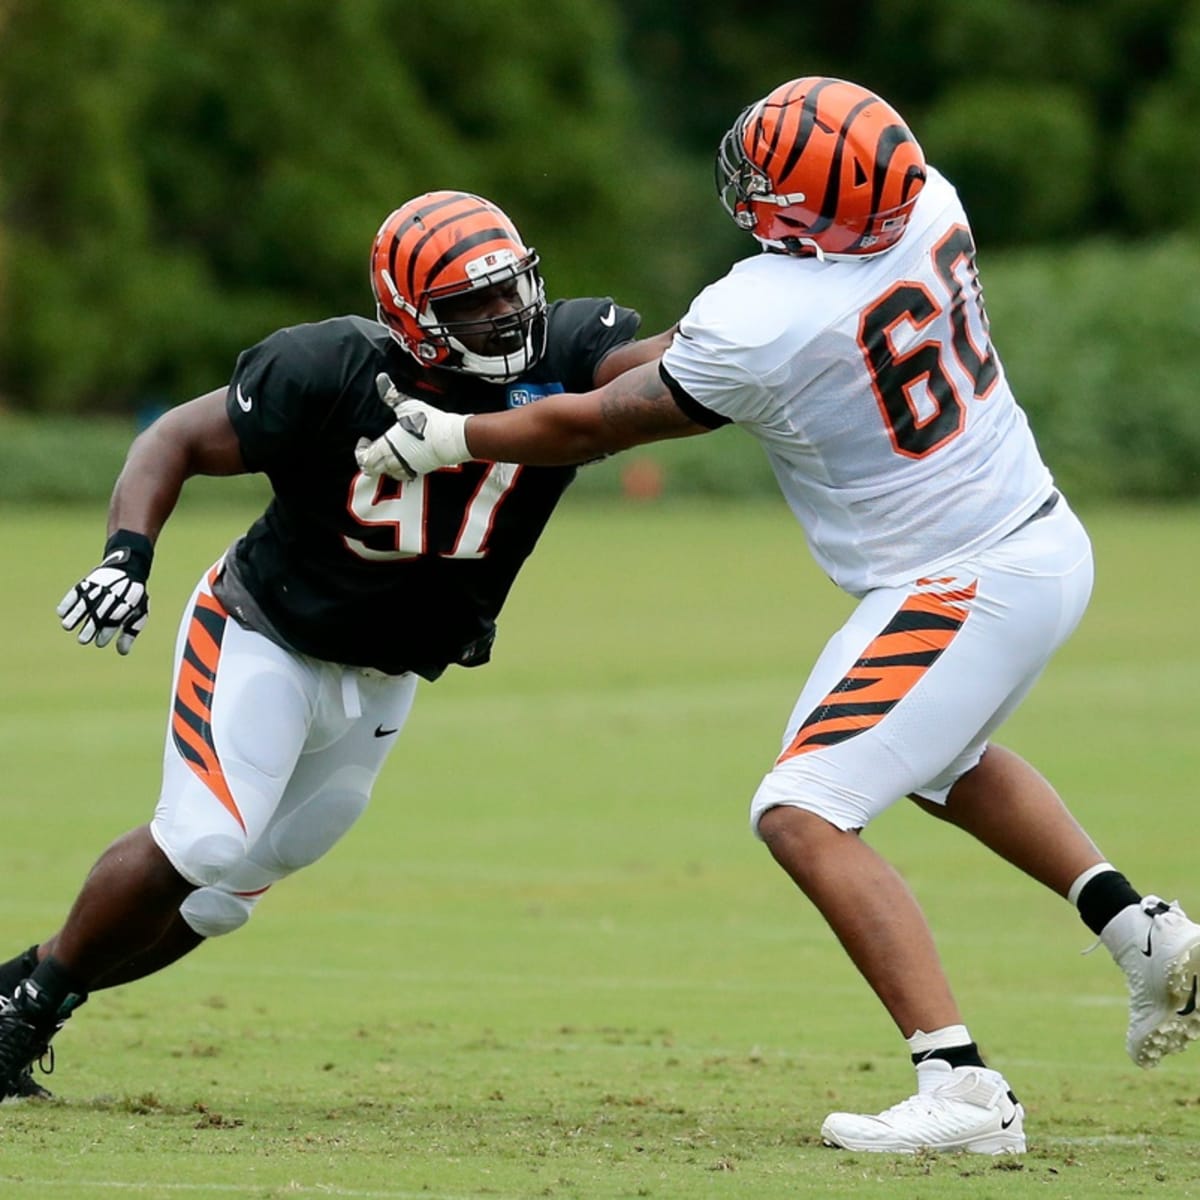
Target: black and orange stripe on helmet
{"points": [[444, 244], [821, 166]]}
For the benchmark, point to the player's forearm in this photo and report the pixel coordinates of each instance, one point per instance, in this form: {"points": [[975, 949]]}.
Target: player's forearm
{"points": [[549, 432], [634, 408]]}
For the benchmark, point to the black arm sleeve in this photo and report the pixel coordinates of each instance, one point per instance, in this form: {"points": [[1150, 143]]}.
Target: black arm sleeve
{"points": [[691, 407]]}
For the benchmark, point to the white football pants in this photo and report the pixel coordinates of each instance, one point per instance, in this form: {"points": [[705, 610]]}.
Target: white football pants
{"points": [[906, 694], [270, 757]]}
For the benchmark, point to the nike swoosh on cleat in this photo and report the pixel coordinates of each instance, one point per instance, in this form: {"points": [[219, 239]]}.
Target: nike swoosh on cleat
{"points": [[1006, 1124], [1190, 1006], [1149, 949], [381, 732], [610, 317]]}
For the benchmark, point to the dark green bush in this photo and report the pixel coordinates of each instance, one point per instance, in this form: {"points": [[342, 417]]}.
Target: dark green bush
{"points": [[1101, 347], [1022, 155]]}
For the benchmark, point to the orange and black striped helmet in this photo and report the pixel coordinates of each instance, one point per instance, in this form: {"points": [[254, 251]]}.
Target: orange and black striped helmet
{"points": [[443, 245], [821, 166]]}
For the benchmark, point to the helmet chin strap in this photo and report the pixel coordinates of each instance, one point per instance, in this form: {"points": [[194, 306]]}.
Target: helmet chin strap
{"points": [[797, 246], [496, 368], [800, 247]]}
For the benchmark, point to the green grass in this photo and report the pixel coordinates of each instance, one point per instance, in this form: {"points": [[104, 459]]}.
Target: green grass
{"points": [[550, 960]]}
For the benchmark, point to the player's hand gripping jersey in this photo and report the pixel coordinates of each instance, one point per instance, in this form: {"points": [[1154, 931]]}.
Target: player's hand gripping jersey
{"points": [[371, 572], [870, 396]]}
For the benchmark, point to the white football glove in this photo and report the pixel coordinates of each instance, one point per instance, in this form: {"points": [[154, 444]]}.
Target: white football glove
{"points": [[423, 438], [111, 599]]}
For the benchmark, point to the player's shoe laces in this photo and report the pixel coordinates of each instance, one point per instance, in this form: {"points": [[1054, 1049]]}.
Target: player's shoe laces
{"points": [[957, 1108], [25, 1033], [1158, 948]]}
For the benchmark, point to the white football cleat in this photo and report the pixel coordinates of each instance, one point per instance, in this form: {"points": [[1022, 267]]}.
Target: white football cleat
{"points": [[1158, 948], [957, 1108]]}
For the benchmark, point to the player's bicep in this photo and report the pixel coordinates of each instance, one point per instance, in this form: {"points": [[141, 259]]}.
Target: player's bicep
{"points": [[628, 355], [202, 433], [638, 406], [635, 407]]}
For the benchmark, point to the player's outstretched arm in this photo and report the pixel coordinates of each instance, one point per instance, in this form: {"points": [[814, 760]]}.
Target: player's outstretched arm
{"points": [[635, 407], [111, 600]]}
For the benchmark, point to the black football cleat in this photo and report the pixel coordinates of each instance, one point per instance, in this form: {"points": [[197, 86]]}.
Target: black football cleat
{"points": [[25, 1035], [28, 1088]]}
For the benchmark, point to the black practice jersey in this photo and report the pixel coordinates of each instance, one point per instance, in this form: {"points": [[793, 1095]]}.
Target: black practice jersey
{"points": [[371, 572]]}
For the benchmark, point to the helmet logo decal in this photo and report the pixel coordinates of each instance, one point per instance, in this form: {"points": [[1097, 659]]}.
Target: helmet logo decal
{"points": [[487, 264]]}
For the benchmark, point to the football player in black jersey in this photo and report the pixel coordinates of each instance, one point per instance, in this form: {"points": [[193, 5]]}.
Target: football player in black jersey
{"points": [[300, 650]]}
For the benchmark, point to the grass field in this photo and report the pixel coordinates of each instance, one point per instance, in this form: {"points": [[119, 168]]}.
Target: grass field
{"points": [[550, 961]]}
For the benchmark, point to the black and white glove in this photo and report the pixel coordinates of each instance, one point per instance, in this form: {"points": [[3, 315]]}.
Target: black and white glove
{"points": [[423, 438], [111, 600]]}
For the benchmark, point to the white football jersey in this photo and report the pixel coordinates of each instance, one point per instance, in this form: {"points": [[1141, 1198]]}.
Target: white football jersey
{"points": [[875, 390]]}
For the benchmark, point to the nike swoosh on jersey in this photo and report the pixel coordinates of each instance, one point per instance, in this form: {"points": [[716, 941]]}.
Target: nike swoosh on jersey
{"points": [[610, 317], [244, 402]]}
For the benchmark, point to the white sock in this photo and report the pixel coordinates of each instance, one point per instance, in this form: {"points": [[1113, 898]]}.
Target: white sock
{"points": [[933, 1072], [945, 1038]]}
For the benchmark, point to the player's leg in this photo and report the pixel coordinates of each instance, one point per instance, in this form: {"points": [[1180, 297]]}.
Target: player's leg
{"points": [[325, 794], [870, 909], [901, 690], [241, 712], [1005, 803], [1014, 811], [857, 740], [891, 700]]}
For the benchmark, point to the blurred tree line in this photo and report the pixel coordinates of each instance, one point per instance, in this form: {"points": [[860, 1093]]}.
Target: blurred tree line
{"points": [[179, 178]]}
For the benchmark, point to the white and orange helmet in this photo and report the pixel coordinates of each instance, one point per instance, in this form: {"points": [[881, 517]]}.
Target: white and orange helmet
{"points": [[821, 166], [445, 244]]}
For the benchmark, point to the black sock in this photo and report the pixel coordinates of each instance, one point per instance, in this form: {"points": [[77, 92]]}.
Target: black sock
{"points": [[56, 990], [956, 1056], [16, 969], [1104, 896]]}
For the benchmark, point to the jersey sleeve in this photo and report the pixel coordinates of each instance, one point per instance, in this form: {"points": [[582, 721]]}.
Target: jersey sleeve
{"points": [[714, 365], [278, 396], [581, 333]]}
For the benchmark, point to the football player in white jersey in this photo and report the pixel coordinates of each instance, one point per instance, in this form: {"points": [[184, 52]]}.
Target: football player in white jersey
{"points": [[855, 347]]}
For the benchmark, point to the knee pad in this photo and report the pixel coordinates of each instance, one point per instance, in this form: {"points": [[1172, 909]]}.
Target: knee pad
{"points": [[305, 834], [204, 860], [211, 912]]}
